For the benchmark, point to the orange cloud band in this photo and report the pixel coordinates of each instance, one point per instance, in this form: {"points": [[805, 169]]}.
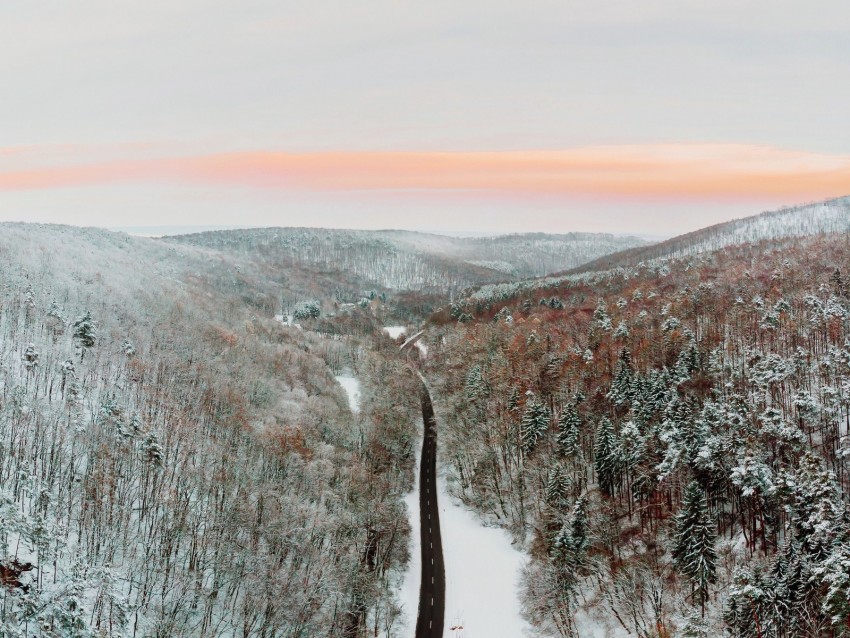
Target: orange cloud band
{"points": [[647, 171]]}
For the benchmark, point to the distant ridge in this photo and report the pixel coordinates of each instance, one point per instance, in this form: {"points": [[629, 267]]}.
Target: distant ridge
{"points": [[828, 216], [165, 231], [411, 260]]}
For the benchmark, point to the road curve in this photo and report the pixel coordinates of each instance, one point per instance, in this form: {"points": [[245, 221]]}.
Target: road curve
{"points": [[432, 591]]}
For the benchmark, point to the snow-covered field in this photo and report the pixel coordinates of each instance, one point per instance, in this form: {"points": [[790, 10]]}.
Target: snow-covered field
{"points": [[482, 574], [351, 385], [394, 332]]}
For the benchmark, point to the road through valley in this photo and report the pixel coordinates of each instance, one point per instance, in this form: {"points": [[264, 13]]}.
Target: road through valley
{"points": [[432, 593]]}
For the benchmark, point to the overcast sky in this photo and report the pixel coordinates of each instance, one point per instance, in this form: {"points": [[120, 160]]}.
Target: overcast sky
{"points": [[658, 117]]}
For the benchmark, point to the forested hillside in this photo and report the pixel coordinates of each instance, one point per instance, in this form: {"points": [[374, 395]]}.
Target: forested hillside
{"points": [[796, 221], [401, 260], [668, 441], [175, 462]]}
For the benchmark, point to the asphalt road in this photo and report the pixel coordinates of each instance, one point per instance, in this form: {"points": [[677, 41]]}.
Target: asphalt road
{"points": [[432, 592]]}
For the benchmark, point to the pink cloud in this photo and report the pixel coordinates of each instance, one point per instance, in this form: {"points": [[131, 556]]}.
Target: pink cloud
{"points": [[667, 171]]}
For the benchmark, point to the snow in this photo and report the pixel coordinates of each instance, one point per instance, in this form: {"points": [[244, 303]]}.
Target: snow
{"points": [[482, 574], [395, 332], [287, 321], [417, 341], [409, 589], [351, 385]]}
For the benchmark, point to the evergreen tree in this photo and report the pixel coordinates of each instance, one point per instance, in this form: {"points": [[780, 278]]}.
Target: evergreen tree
{"points": [[622, 390], [693, 543], [600, 316], [790, 578], [569, 427], [152, 451], [29, 298], [569, 549], [621, 331], [687, 363], [30, 357], [557, 487], [748, 610], [307, 310], [65, 615], [128, 348], [606, 458], [476, 387], [838, 283], [819, 509], [834, 572], [85, 333], [513, 399], [535, 423]]}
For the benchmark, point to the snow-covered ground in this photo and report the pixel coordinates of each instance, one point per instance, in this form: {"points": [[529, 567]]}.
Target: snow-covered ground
{"points": [[351, 385], [417, 339], [482, 574], [394, 332], [287, 321], [409, 590]]}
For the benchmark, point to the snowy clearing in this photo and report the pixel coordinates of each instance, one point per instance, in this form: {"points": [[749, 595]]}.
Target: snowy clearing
{"points": [[351, 385], [394, 332], [287, 321], [482, 574]]}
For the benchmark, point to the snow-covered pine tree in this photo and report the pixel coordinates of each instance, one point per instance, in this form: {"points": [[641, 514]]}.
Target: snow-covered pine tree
{"points": [[85, 333], [621, 331], [569, 548], [476, 387], [606, 458], [535, 423], [696, 627], [152, 451], [569, 428], [600, 316], [30, 357], [558, 486], [513, 399], [819, 510], [622, 386], [748, 607], [307, 310], [693, 543]]}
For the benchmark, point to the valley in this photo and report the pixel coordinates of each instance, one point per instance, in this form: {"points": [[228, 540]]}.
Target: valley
{"points": [[632, 449]]}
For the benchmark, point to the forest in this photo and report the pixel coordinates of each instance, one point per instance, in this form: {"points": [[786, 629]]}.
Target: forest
{"points": [[174, 462], [668, 441]]}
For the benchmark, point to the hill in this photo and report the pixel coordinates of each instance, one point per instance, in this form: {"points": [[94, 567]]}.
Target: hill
{"points": [[410, 261], [798, 221], [175, 462], [668, 441]]}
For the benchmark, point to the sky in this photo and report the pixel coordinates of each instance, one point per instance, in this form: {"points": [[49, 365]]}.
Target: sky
{"points": [[653, 117]]}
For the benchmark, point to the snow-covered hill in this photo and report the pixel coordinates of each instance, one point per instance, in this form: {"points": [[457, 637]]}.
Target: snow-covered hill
{"points": [[809, 219], [405, 260], [175, 462]]}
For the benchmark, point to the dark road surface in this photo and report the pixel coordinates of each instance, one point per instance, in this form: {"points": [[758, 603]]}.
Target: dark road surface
{"points": [[432, 592]]}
